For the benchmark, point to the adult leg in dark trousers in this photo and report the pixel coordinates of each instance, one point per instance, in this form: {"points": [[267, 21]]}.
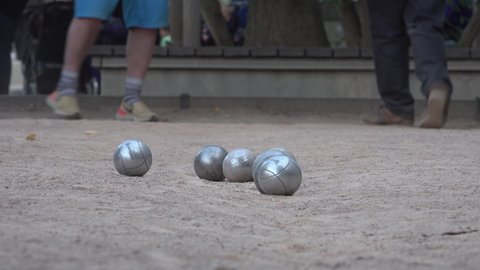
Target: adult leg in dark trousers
{"points": [[10, 12], [395, 25], [6, 38]]}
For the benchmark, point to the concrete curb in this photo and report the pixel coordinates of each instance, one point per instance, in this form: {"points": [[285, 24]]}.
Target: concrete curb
{"points": [[458, 109]]}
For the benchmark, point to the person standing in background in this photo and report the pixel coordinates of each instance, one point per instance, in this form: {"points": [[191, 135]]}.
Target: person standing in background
{"points": [[10, 12], [395, 25], [143, 18], [164, 32]]}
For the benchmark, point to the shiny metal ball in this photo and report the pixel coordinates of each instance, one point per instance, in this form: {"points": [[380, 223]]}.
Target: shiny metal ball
{"points": [[208, 163], [263, 156], [279, 175], [237, 165], [132, 158], [285, 152]]}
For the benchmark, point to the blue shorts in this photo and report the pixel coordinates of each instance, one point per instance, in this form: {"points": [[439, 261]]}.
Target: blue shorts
{"points": [[150, 14]]}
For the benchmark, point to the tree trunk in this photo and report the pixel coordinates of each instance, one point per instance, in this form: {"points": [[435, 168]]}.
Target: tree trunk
{"points": [[471, 31], [362, 10], [212, 14], [191, 23], [350, 22], [290, 23], [176, 22], [476, 42]]}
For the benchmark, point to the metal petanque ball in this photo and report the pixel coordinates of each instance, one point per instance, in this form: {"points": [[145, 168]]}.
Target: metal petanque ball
{"points": [[208, 163], [263, 156], [237, 165], [279, 175], [132, 158], [268, 153], [285, 152]]}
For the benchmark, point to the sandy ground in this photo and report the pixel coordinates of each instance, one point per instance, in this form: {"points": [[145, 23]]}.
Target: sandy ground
{"points": [[371, 197]]}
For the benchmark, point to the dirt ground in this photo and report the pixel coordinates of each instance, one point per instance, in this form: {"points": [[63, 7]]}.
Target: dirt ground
{"points": [[371, 197]]}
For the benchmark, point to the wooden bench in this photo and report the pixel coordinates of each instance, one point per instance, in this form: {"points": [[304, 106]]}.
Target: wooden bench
{"points": [[271, 72]]}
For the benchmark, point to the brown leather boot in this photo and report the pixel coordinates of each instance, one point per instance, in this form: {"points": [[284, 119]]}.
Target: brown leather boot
{"points": [[435, 115], [384, 116]]}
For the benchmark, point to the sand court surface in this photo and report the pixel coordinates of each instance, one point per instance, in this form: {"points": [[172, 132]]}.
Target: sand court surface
{"points": [[371, 197]]}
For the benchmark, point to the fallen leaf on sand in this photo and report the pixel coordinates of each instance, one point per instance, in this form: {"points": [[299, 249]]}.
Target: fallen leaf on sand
{"points": [[31, 137], [91, 132]]}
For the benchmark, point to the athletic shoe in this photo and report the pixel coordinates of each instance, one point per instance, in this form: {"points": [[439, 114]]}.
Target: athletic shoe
{"points": [[138, 111], [384, 116], [435, 115], [65, 107]]}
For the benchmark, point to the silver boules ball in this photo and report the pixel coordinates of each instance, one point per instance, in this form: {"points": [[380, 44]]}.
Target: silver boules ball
{"points": [[208, 163], [237, 165], [279, 175], [263, 156], [132, 158], [284, 151], [268, 153]]}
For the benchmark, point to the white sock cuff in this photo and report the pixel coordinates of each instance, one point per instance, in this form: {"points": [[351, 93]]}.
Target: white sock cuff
{"points": [[70, 74], [134, 81]]}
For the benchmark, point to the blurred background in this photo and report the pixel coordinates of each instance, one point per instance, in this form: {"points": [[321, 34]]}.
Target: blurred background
{"points": [[216, 29]]}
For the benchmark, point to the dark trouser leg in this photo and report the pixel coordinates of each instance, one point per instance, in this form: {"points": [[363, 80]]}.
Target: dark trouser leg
{"points": [[7, 30], [424, 20], [390, 47]]}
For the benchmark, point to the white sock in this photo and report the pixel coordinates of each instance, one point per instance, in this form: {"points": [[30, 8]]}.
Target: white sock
{"points": [[68, 83], [133, 87]]}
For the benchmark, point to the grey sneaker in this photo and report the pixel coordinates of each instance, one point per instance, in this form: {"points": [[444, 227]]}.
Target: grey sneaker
{"points": [[384, 116], [139, 111], [65, 107], [436, 113]]}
